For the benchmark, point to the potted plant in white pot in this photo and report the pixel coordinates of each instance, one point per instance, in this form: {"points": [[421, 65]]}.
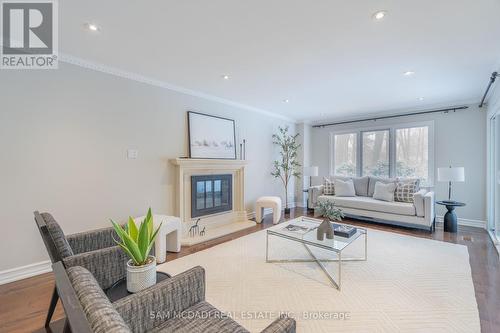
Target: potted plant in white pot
{"points": [[330, 213], [137, 244], [287, 166]]}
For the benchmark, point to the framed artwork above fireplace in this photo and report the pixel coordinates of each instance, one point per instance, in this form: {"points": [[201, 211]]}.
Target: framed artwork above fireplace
{"points": [[211, 137]]}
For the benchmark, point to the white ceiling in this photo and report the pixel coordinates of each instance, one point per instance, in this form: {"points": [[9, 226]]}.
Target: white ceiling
{"points": [[328, 57]]}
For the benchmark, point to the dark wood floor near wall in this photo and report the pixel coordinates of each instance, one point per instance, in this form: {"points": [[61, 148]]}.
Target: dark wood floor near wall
{"points": [[23, 304]]}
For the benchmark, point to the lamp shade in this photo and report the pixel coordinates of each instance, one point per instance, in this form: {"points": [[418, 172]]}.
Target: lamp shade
{"points": [[311, 171], [456, 174]]}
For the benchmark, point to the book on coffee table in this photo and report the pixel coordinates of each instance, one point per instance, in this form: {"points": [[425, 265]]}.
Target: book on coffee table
{"points": [[343, 230], [298, 228]]}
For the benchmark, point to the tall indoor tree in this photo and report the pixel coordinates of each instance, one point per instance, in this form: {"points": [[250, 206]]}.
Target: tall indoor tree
{"points": [[287, 165]]}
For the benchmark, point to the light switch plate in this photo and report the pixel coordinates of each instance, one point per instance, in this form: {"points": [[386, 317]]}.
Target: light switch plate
{"points": [[132, 154]]}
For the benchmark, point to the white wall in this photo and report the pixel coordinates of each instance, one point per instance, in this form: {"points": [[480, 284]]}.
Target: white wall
{"points": [[63, 140], [459, 141]]}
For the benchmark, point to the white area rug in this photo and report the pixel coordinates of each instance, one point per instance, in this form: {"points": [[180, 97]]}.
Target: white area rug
{"points": [[408, 284]]}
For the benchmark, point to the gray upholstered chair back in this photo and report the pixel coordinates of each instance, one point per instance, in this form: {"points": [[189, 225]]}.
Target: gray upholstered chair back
{"points": [[100, 313], [58, 237]]}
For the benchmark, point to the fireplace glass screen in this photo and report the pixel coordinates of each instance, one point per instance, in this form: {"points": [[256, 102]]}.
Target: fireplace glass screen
{"points": [[211, 194]]}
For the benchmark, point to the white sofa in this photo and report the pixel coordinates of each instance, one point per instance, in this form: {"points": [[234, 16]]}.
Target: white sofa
{"points": [[419, 214]]}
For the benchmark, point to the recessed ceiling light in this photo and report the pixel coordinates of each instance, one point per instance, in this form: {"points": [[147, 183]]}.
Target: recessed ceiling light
{"points": [[379, 16], [421, 98], [92, 27], [286, 101], [408, 73], [226, 77]]}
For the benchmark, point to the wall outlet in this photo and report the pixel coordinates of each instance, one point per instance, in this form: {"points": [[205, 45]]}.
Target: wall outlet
{"points": [[132, 154]]}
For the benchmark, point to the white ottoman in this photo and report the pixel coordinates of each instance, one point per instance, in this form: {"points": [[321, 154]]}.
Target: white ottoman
{"points": [[169, 236], [268, 202]]}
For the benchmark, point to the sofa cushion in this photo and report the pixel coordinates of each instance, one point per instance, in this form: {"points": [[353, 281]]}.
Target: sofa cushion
{"points": [[406, 189], [361, 185], [384, 192], [344, 188], [370, 204], [373, 180], [328, 186]]}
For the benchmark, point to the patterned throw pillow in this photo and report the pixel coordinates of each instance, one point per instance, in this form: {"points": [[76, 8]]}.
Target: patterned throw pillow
{"points": [[329, 187], [405, 190]]}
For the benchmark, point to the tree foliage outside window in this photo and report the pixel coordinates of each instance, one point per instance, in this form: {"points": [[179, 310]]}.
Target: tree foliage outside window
{"points": [[345, 154], [411, 150], [375, 152]]}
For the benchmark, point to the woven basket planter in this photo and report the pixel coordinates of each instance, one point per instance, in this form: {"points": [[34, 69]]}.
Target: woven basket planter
{"points": [[141, 277]]}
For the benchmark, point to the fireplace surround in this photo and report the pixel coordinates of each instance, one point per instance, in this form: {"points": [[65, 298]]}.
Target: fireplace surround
{"points": [[215, 223]]}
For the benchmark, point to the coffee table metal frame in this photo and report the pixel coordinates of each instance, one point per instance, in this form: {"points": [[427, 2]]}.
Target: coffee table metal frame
{"points": [[337, 283]]}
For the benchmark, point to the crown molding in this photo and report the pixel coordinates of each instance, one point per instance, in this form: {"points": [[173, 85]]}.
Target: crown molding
{"points": [[70, 59]]}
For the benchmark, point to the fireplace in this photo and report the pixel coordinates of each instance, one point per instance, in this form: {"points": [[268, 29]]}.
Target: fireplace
{"points": [[211, 194], [224, 217]]}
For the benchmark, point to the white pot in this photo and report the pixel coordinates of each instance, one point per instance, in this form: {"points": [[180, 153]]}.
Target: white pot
{"points": [[141, 277]]}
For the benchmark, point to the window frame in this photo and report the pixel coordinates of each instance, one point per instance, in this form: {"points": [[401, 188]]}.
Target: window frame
{"points": [[392, 146]]}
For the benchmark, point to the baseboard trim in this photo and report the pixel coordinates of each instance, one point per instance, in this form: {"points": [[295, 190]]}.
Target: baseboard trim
{"points": [[466, 222], [23, 272]]}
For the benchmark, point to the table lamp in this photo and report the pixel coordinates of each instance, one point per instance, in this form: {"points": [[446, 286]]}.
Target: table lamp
{"points": [[455, 174], [311, 171]]}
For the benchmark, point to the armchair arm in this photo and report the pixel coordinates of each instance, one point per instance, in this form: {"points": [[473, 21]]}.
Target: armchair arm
{"points": [[418, 202], [313, 193], [430, 212], [92, 240], [150, 307], [283, 324], [107, 265]]}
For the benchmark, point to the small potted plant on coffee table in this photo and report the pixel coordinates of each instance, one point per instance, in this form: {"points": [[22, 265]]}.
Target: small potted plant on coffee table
{"points": [[137, 244], [330, 212]]}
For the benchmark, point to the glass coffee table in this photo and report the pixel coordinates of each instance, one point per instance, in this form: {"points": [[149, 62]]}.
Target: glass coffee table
{"points": [[305, 233]]}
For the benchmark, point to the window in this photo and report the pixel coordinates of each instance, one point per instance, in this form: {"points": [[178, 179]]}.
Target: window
{"points": [[375, 153], [412, 152], [345, 154], [404, 150]]}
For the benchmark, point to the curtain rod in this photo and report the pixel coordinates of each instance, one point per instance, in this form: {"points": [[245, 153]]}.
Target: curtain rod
{"points": [[393, 116], [494, 75]]}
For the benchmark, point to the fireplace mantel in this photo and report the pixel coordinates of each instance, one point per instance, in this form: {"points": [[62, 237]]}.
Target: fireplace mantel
{"points": [[216, 225], [204, 163]]}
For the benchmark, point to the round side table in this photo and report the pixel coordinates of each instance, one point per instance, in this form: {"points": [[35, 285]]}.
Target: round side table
{"points": [[450, 218], [119, 289]]}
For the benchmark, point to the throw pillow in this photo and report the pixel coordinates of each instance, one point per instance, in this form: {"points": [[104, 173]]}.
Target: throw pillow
{"points": [[406, 190], [329, 187], [344, 188], [361, 185], [374, 180], [384, 192]]}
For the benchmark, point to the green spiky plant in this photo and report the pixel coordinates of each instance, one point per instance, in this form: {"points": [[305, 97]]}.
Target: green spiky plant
{"points": [[137, 242], [288, 165], [328, 209]]}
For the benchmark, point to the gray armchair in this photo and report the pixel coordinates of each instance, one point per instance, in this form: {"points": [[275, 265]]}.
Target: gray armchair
{"points": [[173, 305], [95, 250]]}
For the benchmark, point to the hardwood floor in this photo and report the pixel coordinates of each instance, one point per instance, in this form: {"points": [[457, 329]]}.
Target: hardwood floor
{"points": [[23, 304]]}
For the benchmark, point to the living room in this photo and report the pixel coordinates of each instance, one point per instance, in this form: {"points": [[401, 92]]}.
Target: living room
{"points": [[308, 167]]}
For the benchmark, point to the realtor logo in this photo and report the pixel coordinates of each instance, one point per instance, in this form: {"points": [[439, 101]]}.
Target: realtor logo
{"points": [[29, 34]]}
